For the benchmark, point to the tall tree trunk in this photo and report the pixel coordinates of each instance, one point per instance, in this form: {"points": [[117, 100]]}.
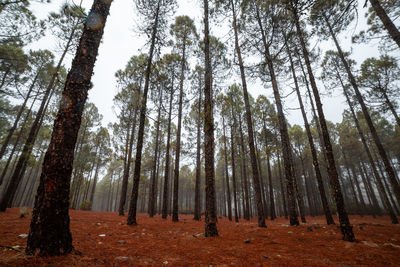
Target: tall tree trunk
{"points": [[96, 175], [228, 191], [378, 180], [20, 168], [299, 194], [287, 156], [253, 158], [370, 193], [197, 197], [127, 167], [285, 209], [30, 141], [328, 215], [16, 144], [246, 212], [49, 229], [167, 158], [352, 187], [210, 214], [143, 108], [362, 201], [178, 138], [391, 107], [21, 110], [271, 190], [345, 226], [387, 22], [388, 167], [153, 189], [235, 201]]}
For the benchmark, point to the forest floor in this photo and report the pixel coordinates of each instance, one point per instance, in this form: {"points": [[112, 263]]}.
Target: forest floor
{"points": [[104, 239]]}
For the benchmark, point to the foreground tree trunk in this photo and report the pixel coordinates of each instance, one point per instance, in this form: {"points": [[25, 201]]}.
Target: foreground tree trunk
{"points": [[211, 210], [345, 226], [49, 229]]}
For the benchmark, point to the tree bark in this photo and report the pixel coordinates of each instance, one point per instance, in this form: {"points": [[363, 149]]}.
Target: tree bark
{"points": [[235, 201], [228, 191], [197, 198], [287, 156], [210, 214], [178, 137], [253, 158], [387, 22], [328, 215], [21, 110], [127, 165], [167, 157], [49, 229], [143, 109], [153, 189], [388, 167], [345, 226]]}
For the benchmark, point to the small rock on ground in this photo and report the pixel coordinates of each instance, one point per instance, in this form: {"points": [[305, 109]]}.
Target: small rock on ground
{"points": [[123, 258], [370, 244]]}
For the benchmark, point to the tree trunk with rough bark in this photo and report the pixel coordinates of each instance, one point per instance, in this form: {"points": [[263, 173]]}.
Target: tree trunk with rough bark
{"points": [[235, 201], [142, 118], [49, 229], [286, 151], [387, 22], [345, 226], [228, 190], [167, 158], [388, 167], [253, 158], [328, 215], [197, 197], [210, 213], [153, 189]]}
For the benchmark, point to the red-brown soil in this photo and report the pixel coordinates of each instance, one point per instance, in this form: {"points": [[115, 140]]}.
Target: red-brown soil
{"points": [[160, 242]]}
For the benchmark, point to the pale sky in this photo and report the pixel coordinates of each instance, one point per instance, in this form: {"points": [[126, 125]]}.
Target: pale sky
{"points": [[120, 42]]}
